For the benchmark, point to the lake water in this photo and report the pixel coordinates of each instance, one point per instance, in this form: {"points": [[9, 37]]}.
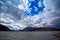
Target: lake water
{"points": [[45, 35]]}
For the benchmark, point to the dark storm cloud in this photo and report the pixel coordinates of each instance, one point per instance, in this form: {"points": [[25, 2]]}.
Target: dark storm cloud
{"points": [[56, 3], [56, 23]]}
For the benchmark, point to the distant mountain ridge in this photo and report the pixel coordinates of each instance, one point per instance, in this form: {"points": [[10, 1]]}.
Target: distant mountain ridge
{"points": [[4, 28], [41, 29]]}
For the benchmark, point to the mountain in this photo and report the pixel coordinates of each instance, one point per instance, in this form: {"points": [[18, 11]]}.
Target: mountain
{"points": [[4, 28], [41, 29]]}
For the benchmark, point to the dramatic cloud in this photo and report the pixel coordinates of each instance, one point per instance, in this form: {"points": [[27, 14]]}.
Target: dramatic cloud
{"points": [[13, 14]]}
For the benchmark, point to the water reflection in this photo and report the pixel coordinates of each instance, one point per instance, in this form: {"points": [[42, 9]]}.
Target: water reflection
{"points": [[56, 36]]}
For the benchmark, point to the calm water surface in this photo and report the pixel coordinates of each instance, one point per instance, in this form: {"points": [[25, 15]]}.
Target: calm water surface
{"points": [[46, 35]]}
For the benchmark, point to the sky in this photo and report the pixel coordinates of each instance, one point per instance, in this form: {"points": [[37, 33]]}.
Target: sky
{"points": [[36, 6], [20, 14]]}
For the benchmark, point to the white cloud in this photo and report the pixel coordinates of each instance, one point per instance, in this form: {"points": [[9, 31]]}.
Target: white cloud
{"points": [[43, 19], [39, 4], [21, 7]]}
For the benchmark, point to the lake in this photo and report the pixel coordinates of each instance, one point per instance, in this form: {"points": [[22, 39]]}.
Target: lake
{"points": [[40, 35]]}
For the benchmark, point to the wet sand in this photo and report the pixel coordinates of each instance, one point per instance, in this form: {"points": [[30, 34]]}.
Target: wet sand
{"points": [[45, 35]]}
